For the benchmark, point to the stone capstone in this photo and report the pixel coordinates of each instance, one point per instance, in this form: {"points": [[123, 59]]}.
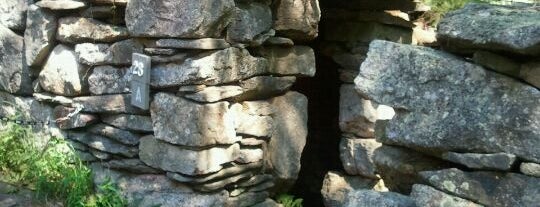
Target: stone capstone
{"points": [[109, 80]]}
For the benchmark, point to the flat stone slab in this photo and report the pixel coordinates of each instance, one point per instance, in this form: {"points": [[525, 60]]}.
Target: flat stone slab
{"points": [[427, 196], [202, 44], [497, 161]]}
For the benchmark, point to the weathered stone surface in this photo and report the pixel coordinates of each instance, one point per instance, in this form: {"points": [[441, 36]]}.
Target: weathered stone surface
{"points": [[369, 198], [118, 53], [233, 169], [212, 93], [27, 109], [399, 167], [247, 199], [497, 63], [110, 2], [14, 74], [122, 136], [212, 68], [113, 14], [50, 98], [182, 122], [336, 187], [109, 80], [121, 52], [202, 44], [253, 118], [487, 188], [183, 19], [129, 122], [61, 4], [366, 32], [491, 27], [107, 104], [214, 186], [92, 54], [289, 138], [13, 13], [357, 116], [497, 161], [100, 155], [66, 118], [357, 156], [159, 51], [426, 196], [268, 203], [169, 58], [168, 157], [279, 41], [39, 36], [298, 20], [130, 165], [78, 29], [62, 74], [251, 19], [151, 190], [255, 180], [297, 60], [530, 72], [103, 144], [250, 155], [505, 111], [529, 168]]}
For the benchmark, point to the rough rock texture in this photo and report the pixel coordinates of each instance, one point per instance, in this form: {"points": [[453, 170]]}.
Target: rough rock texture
{"points": [[184, 19], [497, 161], [159, 154], [39, 36], [13, 13], [357, 116], [491, 27], [297, 60], [103, 144], [62, 74], [426, 196], [122, 136], [109, 80], [288, 141], [107, 104], [530, 72], [14, 74], [532, 169], [336, 187], [223, 66], [77, 29], [505, 112], [130, 165], [369, 198], [28, 109], [179, 121], [130, 122], [357, 156], [487, 188], [66, 118], [118, 53], [250, 20], [297, 19]]}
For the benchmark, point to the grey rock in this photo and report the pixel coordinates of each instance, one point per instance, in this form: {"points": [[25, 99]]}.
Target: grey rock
{"points": [[68, 118], [491, 27], [289, 138], [399, 167], [78, 29], [336, 187], [218, 185], [159, 51], [497, 161], [486, 188], [279, 41], [59, 5], [118, 53], [86, 156], [103, 144], [265, 186], [357, 156], [92, 54], [39, 36], [426, 196], [104, 12], [228, 171], [250, 155], [201, 44], [249, 121], [529, 168], [255, 180], [505, 112], [62, 74], [107, 104], [130, 165], [497, 63], [121, 51], [13, 13], [151, 190], [357, 116], [251, 141], [109, 80], [368, 198], [168, 157], [50, 98], [247, 199], [251, 19], [14, 74], [268, 203], [365, 32], [183, 19], [122, 136], [211, 68], [169, 58], [213, 93], [297, 60], [77, 145], [298, 20], [100, 155], [350, 61], [130, 122], [26, 109], [530, 72], [193, 124]]}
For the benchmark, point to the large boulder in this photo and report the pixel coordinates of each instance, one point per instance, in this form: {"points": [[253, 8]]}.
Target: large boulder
{"points": [[298, 20], [463, 107], [14, 74], [173, 18], [62, 74], [513, 29], [13, 13], [39, 36]]}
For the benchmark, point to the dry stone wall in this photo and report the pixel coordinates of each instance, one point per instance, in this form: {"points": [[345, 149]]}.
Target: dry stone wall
{"points": [[223, 128]]}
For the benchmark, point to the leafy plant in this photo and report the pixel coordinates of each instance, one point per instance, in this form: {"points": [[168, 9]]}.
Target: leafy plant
{"points": [[289, 200]]}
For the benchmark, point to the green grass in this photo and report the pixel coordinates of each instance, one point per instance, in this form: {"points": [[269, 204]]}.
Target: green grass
{"points": [[289, 200], [54, 172]]}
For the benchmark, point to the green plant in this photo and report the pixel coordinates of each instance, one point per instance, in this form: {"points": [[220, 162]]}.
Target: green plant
{"points": [[289, 200]]}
